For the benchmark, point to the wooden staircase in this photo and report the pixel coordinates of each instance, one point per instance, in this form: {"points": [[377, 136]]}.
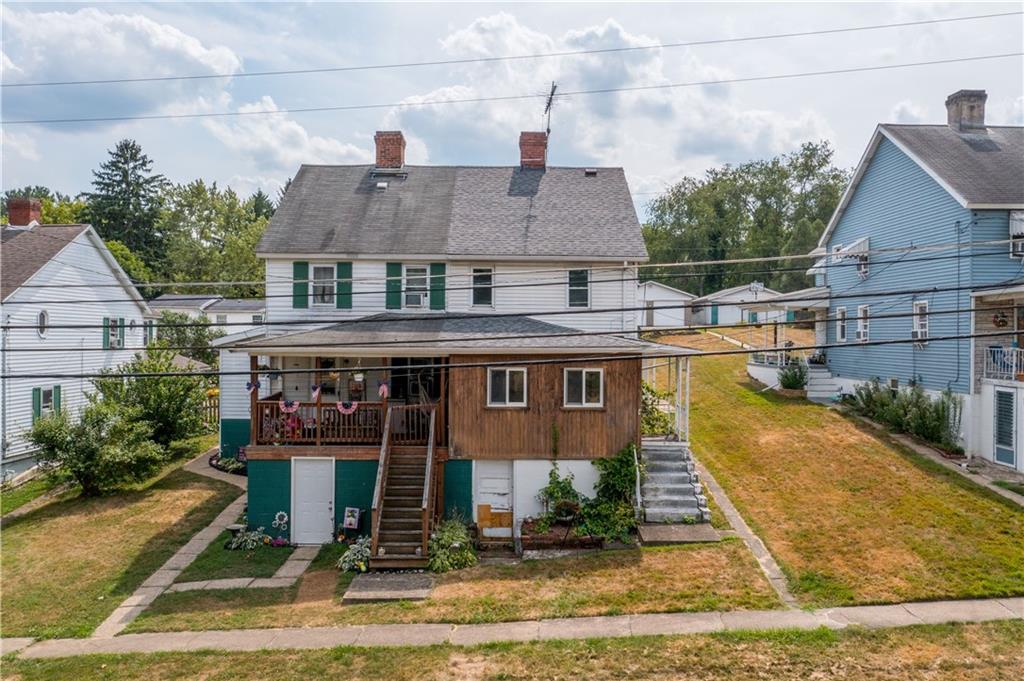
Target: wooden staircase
{"points": [[404, 500]]}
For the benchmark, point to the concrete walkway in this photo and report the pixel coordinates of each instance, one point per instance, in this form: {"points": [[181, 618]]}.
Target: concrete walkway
{"points": [[764, 558], [286, 575], [201, 466], [873, 616]]}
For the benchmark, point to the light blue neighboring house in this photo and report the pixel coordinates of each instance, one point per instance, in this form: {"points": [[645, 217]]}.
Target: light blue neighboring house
{"points": [[934, 185]]}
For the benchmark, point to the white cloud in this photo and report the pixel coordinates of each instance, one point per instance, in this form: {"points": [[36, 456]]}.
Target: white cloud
{"points": [[90, 44], [278, 142], [20, 143], [908, 112], [673, 130], [246, 185]]}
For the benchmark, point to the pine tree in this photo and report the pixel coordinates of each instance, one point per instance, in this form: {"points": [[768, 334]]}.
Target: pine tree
{"points": [[262, 206], [125, 203]]}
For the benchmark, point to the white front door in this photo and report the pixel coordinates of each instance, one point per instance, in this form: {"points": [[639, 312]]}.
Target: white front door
{"points": [[312, 500], [494, 497]]}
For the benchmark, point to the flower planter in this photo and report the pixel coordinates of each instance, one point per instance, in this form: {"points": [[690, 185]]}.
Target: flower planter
{"points": [[556, 537]]}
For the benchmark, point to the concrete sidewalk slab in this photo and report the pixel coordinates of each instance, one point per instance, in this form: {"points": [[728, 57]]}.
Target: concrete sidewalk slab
{"points": [[662, 534], [939, 612], [584, 627], [231, 583], [873, 616], [117, 621], [144, 595], [662, 624], [162, 577], [188, 586], [315, 637], [239, 639], [272, 582], [13, 645], [403, 634], [292, 568], [758, 620], [1014, 605], [476, 634]]}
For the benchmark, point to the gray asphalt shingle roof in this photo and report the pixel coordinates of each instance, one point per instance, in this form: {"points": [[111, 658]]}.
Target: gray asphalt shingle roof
{"points": [[449, 331], [983, 167], [238, 305], [457, 211], [195, 301]]}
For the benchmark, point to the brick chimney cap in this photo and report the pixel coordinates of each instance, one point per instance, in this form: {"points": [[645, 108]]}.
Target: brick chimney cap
{"points": [[967, 94]]}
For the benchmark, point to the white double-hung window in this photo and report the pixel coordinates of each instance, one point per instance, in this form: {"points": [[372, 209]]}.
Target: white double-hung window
{"points": [[415, 286], [919, 332], [840, 324], [579, 288], [483, 283], [863, 323], [1017, 233], [506, 387], [584, 388], [323, 284]]}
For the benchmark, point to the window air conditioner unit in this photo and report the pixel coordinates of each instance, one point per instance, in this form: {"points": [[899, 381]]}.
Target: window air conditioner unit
{"points": [[862, 335]]}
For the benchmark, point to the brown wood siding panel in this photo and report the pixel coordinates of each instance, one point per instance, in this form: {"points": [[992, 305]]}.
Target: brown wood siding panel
{"points": [[480, 432]]}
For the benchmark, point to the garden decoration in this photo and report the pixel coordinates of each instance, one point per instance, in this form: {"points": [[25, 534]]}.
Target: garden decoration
{"points": [[1000, 319], [252, 387], [288, 406], [280, 521], [347, 407]]}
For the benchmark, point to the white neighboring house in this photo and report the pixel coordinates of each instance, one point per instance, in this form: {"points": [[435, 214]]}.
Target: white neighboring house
{"points": [[657, 301], [734, 306], [76, 269], [235, 315]]}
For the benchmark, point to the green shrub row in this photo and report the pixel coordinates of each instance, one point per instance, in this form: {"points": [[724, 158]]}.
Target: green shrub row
{"points": [[911, 410]]}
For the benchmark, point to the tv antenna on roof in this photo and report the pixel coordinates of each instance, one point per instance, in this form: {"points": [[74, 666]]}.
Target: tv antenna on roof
{"points": [[549, 105]]}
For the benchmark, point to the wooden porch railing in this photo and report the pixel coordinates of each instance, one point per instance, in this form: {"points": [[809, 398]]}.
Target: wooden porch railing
{"points": [[318, 424], [382, 480], [427, 508], [410, 425]]}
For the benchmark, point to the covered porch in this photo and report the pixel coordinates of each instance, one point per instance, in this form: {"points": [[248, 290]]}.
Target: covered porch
{"points": [[999, 324], [778, 344]]}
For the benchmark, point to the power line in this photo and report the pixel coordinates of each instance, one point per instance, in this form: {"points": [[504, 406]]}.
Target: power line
{"points": [[375, 318], [485, 60], [269, 344], [564, 359], [508, 98]]}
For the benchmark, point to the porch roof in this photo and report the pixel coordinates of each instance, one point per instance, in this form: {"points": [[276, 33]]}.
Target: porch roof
{"points": [[391, 334], [804, 299]]}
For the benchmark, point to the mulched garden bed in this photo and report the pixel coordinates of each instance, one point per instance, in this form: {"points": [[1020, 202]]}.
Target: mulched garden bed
{"points": [[556, 537]]}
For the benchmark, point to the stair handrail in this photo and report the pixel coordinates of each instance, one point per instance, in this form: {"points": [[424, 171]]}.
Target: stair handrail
{"points": [[427, 507], [378, 491], [636, 464]]}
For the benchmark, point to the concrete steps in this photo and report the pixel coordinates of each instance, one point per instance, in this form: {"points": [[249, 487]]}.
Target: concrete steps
{"points": [[671, 489], [821, 386]]}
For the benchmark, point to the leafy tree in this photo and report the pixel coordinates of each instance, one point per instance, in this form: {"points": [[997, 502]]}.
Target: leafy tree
{"points": [[57, 208], [262, 206], [125, 202], [212, 236], [133, 265], [107, 446], [197, 337], [762, 208], [170, 405]]}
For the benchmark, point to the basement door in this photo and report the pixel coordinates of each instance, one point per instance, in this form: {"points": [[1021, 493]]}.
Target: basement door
{"points": [[312, 500], [494, 498]]}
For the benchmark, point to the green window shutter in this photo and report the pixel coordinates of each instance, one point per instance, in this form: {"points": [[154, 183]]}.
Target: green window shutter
{"points": [[106, 333], [393, 297], [300, 284], [437, 270], [343, 290], [56, 399], [120, 332], [37, 403]]}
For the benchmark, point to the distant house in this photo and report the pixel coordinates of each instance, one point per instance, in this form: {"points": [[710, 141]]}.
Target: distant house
{"points": [[736, 305], [54, 276], [662, 306], [232, 314], [927, 186]]}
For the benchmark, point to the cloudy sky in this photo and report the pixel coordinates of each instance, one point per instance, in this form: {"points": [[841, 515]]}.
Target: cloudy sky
{"points": [[659, 136]]}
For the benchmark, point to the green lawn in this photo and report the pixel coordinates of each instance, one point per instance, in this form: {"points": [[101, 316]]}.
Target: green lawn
{"points": [[17, 497], [694, 577], [67, 565], [949, 652], [217, 562], [850, 516], [1017, 487]]}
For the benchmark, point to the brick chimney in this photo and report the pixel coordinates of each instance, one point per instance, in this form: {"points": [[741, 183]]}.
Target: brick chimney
{"points": [[533, 149], [23, 211], [965, 110], [390, 148]]}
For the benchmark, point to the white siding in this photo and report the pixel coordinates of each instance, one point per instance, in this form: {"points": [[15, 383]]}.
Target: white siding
{"points": [[661, 298], [89, 266], [610, 289], [234, 398]]}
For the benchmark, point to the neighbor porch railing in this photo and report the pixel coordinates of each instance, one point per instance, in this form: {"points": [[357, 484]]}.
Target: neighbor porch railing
{"points": [[314, 423], [1004, 363], [771, 358]]}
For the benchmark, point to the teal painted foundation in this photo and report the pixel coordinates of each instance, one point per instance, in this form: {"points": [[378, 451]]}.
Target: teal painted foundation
{"points": [[234, 433], [270, 491], [458, 488]]}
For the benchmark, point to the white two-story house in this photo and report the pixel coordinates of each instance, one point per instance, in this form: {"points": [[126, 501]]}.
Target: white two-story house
{"points": [[67, 305], [399, 301]]}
